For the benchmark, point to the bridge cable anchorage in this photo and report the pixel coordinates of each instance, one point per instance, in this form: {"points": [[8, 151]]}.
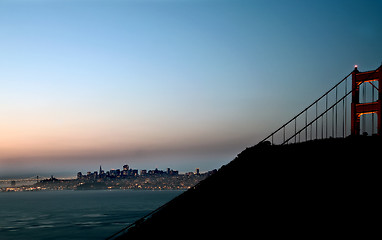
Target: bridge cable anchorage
{"points": [[330, 118]]}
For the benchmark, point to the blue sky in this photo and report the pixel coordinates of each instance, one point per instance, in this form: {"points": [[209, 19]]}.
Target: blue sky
{"points": [[166, 83]]}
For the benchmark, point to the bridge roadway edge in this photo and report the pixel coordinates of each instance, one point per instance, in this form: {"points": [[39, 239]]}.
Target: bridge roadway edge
{"points": [[321, 188]]}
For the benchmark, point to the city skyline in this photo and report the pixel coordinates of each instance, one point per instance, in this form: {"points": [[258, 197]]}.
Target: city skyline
{"points": [[187, 84], [125, 171]]}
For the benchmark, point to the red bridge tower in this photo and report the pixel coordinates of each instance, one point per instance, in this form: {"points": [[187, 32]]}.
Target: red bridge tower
{"points": [[357, 108]]}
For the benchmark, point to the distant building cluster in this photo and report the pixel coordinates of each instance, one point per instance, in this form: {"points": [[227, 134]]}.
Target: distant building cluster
{"points": [[126, 172], [120, 179]]}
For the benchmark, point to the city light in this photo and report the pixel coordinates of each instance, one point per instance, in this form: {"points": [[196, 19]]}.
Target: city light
{"points": [[125, 178]]}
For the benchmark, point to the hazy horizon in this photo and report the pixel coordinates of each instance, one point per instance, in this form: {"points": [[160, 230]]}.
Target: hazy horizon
{"points": [[182, 84]]}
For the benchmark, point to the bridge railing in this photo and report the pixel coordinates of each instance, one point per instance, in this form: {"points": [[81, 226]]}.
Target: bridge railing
{"points": [[328, 116]]}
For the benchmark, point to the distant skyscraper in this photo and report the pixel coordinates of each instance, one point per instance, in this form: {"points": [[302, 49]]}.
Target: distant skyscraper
{"points": [[126, 167]]}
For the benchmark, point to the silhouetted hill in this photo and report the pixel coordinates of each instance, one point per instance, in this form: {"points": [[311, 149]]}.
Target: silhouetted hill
{"points": [[324, 188]]}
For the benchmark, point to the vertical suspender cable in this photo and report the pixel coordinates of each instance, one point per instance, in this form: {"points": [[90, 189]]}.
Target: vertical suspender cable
{"points": [[326, 108], [306, 125], [316, 120], [284, 134], [322, 127], [343, 117], [336, 113], [295, 129], [345, 108], [333, 122]]}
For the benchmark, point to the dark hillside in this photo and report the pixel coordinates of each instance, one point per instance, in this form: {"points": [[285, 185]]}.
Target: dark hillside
{"points": [[324, 188]]}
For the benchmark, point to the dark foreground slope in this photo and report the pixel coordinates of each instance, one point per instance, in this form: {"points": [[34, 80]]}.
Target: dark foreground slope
{"points": [[324, 188]]}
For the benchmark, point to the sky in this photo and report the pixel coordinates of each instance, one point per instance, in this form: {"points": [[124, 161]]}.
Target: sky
{"points": [[182, 84]]}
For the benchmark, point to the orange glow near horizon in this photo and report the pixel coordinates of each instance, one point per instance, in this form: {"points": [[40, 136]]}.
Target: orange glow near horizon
{"points": [[38, 137]]}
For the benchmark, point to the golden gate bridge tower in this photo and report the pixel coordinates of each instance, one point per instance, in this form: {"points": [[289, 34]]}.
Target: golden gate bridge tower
{"points": [[357, 108]]}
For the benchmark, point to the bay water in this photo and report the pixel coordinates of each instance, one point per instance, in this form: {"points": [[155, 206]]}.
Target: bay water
{"points": [[94, 214]]}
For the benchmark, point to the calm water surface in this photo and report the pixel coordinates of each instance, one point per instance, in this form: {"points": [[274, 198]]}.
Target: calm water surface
{"points": [[74, 214]]}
